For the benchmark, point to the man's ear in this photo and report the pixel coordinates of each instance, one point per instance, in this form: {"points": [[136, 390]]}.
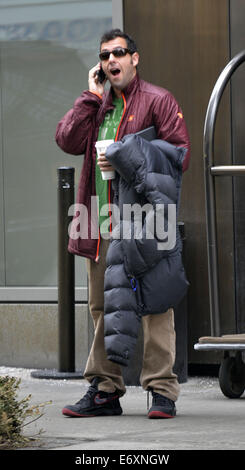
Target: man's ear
{"points": [[135, 59]]}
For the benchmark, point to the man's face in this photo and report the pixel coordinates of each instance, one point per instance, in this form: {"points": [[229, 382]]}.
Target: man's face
{"points": [[119, 70]]}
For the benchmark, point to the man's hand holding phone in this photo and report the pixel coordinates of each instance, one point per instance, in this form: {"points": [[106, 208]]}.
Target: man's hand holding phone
{"points": [[94, 78]]}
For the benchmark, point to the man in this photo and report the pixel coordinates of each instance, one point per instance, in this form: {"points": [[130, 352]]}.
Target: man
{"points": [[129, 106]]}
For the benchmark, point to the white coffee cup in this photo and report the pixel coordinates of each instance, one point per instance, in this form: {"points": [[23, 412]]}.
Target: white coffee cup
{"points": [[101, 146]]}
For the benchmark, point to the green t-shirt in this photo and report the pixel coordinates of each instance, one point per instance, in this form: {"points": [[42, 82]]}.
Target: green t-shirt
{"points": [[108, 130]]}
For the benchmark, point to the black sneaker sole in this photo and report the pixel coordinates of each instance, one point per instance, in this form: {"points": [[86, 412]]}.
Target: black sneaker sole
{"points": [[92, 414], [157, 413]]}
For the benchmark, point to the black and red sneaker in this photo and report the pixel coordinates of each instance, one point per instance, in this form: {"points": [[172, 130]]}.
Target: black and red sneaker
{"points": [[94, 403], [162, 407]]}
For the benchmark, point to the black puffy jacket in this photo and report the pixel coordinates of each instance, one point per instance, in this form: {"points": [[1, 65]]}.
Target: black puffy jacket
{"points": [[143, 276]]}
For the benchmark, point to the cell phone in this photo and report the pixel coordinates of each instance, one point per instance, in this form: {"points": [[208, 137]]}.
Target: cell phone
{"points": [[101, 75]]}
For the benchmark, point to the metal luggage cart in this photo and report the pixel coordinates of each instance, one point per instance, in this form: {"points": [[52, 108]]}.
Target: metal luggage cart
{"points": [[232, 368]]}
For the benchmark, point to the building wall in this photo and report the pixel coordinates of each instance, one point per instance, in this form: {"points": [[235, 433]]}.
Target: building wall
{"points": [[46, 51], [237, 41]]}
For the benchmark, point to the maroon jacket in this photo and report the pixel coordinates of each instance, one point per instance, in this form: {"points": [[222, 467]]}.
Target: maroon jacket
{"points": [[144, 105]]}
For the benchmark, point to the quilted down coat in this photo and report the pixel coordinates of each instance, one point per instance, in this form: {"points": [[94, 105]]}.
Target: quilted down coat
{"points": [[142, 276]]}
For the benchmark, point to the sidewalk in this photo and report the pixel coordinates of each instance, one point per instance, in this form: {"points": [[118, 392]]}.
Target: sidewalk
{"points": [[205, 418]]}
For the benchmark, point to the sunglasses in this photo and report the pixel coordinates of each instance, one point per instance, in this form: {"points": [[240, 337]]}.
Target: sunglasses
{"points": [[117, 52]]}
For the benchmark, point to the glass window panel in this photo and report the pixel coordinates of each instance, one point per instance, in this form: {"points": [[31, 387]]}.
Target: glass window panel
{"points": [[46, 53]]}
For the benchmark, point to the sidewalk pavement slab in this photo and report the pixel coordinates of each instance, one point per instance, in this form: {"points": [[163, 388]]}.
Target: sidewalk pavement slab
{"points": [[206, 419]]}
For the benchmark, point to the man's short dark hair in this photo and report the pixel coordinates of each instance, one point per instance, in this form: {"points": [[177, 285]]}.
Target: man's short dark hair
{"points": [[117, 33]]}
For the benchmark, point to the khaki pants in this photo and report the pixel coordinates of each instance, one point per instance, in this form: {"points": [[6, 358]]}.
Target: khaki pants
{"points": [[159, 343]]}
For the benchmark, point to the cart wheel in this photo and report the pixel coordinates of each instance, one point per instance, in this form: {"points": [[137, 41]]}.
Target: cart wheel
{"points": [[232, 376]]}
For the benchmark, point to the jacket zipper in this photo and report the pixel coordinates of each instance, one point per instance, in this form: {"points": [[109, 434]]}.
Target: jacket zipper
{"points": [[109, 186], [124, 111]]}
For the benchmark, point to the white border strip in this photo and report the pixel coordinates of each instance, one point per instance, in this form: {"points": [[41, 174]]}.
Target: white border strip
{"points": [[37, 294]]}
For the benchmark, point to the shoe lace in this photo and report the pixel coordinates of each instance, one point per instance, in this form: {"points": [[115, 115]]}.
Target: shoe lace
{"points": [[148, 400], [158, 399], [92, 390]]}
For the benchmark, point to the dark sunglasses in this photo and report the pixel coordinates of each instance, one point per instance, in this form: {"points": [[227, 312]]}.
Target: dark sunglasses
{"points": [[117, 52]]}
